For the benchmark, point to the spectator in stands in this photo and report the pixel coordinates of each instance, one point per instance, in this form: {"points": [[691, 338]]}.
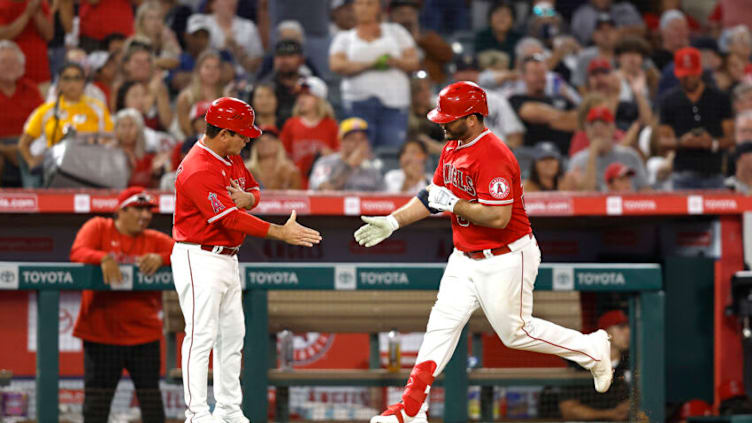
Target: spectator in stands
{"points": [[375, 59], [342, 16], [176, 15], [311, 132], [674, 36], [741, 181], [48, 122], [150, 25], [712, 62], [19, 96], [742, 95], [580, 139], [29, 25], [121, 330], [418, 125], [501, 119], [500, 34], [545, 23], [264, 102], [605, 37], [205, 86], [269, 163], [138, 66], [103, 70], [411, 177], [78, 56], [619, 178], [288, 63], [196, 42], [546, 169], [433, 51], [350, 169], [588, 167], [63, 15], [635, 75], [546, 118], [180, 150], [630, 112], [445, 16], [737, 41], [513, 83], [146, 167], [624, 15], [696, 117], [582, 402], [228, 31], [743, 127], [98, 19], [288, 30]]}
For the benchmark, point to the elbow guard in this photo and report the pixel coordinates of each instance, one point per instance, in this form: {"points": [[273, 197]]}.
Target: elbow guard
{"points": [[423, 197]]}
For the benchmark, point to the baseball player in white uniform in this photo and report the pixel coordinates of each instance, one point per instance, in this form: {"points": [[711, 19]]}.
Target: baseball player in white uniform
{"points": [[213, 191], [495, 259]]}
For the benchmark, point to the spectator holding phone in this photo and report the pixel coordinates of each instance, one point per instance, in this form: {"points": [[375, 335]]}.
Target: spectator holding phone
{"points": [[696, 118]]}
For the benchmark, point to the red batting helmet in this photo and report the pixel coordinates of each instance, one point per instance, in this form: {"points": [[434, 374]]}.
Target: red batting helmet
{"points": [[234, 115], [459, 100]]}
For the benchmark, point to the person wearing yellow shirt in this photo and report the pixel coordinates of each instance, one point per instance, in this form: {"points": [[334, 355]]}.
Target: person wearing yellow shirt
{"points": [[72, 109]]}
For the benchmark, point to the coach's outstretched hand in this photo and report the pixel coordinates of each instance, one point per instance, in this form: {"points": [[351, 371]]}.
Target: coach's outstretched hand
{"points": [[377, 229], [296, 234]]}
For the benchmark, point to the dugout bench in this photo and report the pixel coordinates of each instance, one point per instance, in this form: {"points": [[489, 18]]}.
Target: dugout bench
{"points": [[381, 311], [271, 302]]}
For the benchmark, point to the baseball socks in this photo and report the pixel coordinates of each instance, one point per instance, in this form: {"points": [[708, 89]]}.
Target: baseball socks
{"points": [[412, 408]]}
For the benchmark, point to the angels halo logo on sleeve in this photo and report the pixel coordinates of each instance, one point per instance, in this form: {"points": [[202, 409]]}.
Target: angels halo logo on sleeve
{"points": [[499, 188]]}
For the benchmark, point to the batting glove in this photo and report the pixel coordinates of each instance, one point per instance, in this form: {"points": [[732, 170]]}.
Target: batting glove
{"points": [[440, 198], [376, 229]]}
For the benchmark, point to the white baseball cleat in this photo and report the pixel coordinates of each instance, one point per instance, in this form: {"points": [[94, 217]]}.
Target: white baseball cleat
{"points": [[603, 371], [396, 414]]}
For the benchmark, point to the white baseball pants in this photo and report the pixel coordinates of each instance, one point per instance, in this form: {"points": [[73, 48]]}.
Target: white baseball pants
{"points": [[503, 287], [208, 285]]}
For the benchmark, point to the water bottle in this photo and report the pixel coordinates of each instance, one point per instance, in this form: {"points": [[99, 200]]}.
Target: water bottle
{"points": [[286, 350], [394, 359]]}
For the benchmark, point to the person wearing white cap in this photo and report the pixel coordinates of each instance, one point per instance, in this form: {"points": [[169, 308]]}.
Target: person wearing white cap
{"points": [[311, 132], [196, 42]]}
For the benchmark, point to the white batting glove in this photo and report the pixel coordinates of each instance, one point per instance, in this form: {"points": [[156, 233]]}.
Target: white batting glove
{"points": [[376, 229], [440, 198]]}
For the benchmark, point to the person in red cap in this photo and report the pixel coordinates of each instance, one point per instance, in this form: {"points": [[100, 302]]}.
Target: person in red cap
{"points": [[603, 80], [618, 178], [213, 192], [696, 118], [694, 408], [495, 259], [588, 167], [121, 329], [581, 402]]}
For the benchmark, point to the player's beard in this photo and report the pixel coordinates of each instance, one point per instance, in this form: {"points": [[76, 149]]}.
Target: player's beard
{"points": [[458, 130]]}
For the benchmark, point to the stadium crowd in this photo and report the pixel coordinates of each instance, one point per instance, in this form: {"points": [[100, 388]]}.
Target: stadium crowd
{"points": [[591, 95]]}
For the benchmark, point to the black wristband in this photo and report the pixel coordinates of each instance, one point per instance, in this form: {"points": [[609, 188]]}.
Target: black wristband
{"points": [[423, 197]]}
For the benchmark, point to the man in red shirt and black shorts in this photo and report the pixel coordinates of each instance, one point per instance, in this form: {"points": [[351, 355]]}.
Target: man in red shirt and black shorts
{"points": [[495, 259], [213, 192], [121, 330]]}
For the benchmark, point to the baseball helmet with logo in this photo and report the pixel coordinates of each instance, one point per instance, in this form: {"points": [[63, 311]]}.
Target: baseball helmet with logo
{"points": [[234, 115], [458, 100]]}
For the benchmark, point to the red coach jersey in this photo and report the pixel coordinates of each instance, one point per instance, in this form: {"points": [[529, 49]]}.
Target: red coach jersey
{"points": [[485, 171], [201, 197]]}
